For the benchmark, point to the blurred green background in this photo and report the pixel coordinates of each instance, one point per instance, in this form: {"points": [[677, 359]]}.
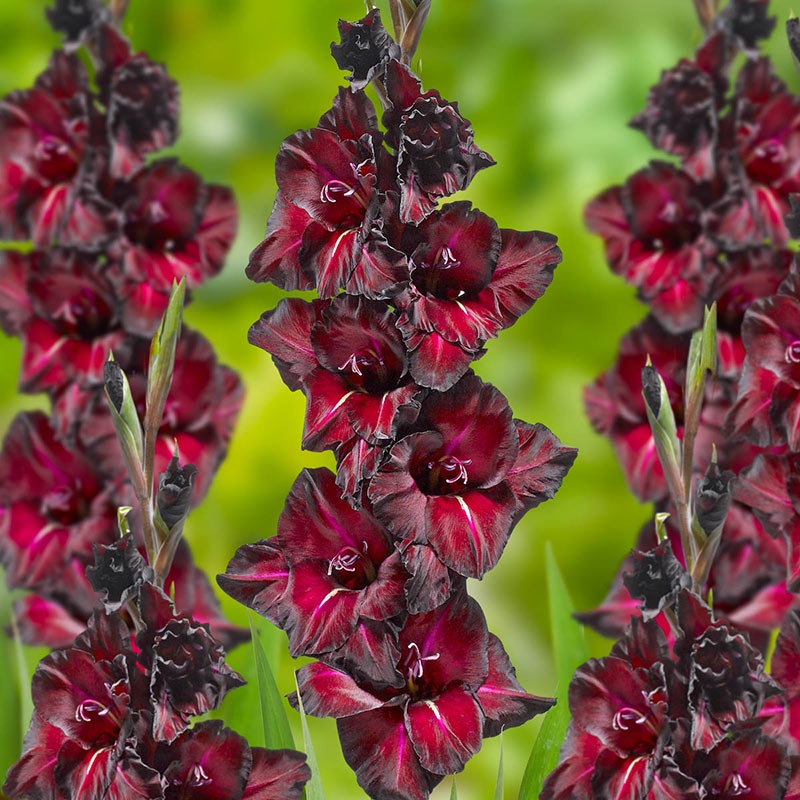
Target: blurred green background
{"points": [[549, 88]]}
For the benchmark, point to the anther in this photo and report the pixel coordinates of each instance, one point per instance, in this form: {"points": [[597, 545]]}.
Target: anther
{"points": [[792, 354]]}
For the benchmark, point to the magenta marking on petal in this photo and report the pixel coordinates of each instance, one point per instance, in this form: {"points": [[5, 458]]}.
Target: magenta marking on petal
{"points": [[792, 354]]}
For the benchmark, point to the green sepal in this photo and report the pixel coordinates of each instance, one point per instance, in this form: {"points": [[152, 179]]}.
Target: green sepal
{"points": [[662, 424], [162, 360], [413, 30], [122, 520], [126, 422], [661, 529], [702, 360]]}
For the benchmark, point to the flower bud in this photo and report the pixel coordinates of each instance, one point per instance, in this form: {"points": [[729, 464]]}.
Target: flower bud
{"points": [[713, 498], [656, 579], [175, 487], [118, 572], [126, 422], [662, 424]]}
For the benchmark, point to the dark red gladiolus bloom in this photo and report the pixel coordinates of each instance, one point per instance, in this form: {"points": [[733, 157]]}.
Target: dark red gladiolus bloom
{"points": [[83, 697], [324, 230], [766, 120], [770, 486], [74, 19], [458, 688], [142, 109], [681, 117], [656, 579], [436, 152], [118, 572], [469, 280], [276, 775], [654, 232], [43, 139], [749, 765], [766, 410], [54, 504], [174, 226], [355, 373], [331, 578], [65, 310], [210, 762], [461, 482], [187, 672]]}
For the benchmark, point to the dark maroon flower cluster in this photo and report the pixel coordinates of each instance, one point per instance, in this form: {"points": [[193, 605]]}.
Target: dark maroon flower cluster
{"points": [[713, 229], [368, 568], [113, 717], [105, 235], [683, 706], [96, 233], [698, 719]]}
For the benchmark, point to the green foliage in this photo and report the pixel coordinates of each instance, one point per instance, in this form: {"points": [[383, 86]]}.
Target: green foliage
{"points": [[277, 733], [498, 789], [569, 650], [313, 790]]}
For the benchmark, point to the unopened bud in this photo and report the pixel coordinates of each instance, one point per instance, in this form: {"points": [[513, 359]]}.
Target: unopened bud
{"points": [[793, 34], [126, 421], [713, 498], [175, 488], [651, 388]]}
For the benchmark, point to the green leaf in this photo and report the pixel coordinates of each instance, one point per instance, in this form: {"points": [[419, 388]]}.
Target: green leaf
{"points": [[570, 651], [23, 679], [498, 789], [313, 790], [277, 733]]}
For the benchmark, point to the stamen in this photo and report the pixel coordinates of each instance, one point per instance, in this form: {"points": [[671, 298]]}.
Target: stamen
{"points": [[736, 785], [445, 258], [360, 360], [344, 560], [625, 717], [89, 709], [198, 776], [415, 668], [455, 467], [352, 365], [328, 193], [156, 212], [792, 354]]}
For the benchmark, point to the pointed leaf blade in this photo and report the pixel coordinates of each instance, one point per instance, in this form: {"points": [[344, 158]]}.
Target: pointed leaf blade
{"points": [[570, 650], [313, 790], [277, 733], [498, 789]]}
